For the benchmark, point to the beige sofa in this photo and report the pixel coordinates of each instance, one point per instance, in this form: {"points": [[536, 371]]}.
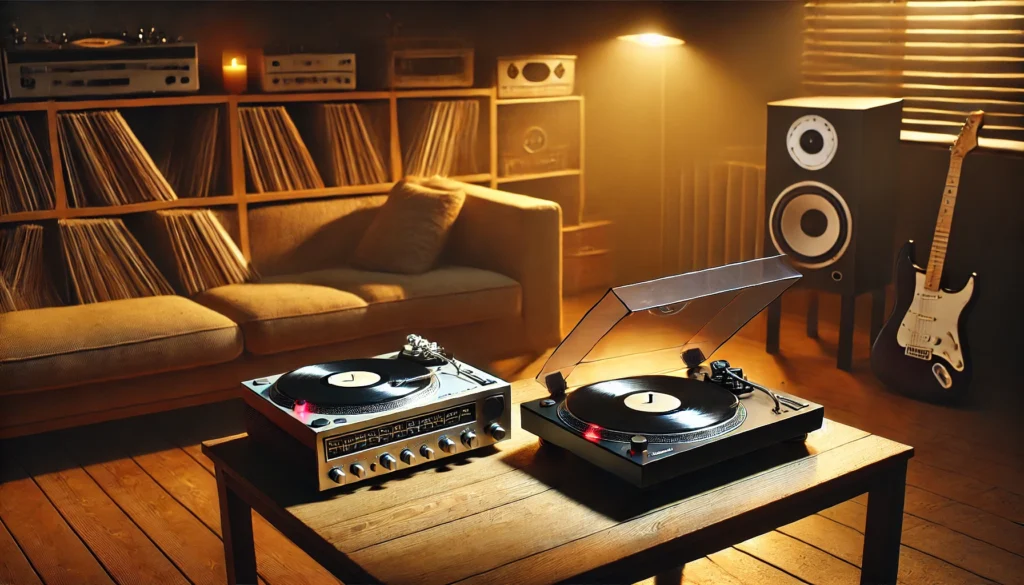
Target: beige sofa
{"points": [[496, 293]]}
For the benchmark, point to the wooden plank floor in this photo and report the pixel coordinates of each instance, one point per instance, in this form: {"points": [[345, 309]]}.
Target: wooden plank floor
{"points": [[135, 501]]}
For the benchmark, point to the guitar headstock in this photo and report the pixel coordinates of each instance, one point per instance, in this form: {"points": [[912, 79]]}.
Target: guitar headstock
{"points": [[968, 138]]}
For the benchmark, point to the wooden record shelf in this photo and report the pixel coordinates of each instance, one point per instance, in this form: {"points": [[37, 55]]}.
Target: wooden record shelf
{"points": [[237, 191]]}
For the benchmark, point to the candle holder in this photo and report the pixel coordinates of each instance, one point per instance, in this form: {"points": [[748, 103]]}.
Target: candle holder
{"points": [[236, 72]]}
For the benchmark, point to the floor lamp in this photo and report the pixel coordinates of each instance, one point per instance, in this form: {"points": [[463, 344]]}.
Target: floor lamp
{"points": [[658, 41]]}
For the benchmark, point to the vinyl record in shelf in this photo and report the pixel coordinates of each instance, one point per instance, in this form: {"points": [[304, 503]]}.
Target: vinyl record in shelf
{"points": [[193, 246], [345, 145], [24, 267], [186, 147], [105, 163], [25, 182], [276, 157], [444, 141], [106, 263]]}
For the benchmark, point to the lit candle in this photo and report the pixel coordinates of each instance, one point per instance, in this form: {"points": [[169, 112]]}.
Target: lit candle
{"points": [[236, 75]]}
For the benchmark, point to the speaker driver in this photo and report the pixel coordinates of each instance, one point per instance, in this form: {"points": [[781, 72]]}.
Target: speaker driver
{"points": [[812, 142], [811, 223]]}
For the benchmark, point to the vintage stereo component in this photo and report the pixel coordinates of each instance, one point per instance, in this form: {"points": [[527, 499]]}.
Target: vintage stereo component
{"points": [[308, 72], [416, 62], [831, 184], [94, 68], [538, 138], [351, 420], [651, 427], [536, 76]]}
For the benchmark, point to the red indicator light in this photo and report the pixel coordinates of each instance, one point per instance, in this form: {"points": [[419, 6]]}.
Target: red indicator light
{"points": [[592, 434], [301, 407]]}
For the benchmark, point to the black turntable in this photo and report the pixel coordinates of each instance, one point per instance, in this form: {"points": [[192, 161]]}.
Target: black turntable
{"points": [[649, 428]]}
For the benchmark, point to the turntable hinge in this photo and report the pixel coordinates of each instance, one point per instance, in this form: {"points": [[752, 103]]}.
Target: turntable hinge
{"points": [[555, 383]]}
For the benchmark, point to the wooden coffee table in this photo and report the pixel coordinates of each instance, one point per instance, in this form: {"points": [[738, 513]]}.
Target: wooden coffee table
{"points": [[526, 513]]}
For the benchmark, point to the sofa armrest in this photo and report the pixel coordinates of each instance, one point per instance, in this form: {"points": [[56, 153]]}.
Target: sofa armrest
{"points": [[520, 237]]}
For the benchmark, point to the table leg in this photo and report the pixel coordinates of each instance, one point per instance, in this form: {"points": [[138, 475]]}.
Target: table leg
{"points": [[670, 577], [236, 530], [771, 343], [844, 361], [812, 314], [884, 527]]}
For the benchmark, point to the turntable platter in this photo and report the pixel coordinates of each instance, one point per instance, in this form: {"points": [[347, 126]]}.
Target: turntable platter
{"points": [[661, 408], [353, 386]]}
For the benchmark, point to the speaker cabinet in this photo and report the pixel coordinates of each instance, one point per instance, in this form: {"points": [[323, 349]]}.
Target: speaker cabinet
{"points": [[830, 189]]}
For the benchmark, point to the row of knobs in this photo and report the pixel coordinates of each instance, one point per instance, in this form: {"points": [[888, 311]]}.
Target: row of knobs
{"points": [[445, 443]]}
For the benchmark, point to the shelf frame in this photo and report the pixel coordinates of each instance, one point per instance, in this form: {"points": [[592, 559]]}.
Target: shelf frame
{"points": [[239, 197]]}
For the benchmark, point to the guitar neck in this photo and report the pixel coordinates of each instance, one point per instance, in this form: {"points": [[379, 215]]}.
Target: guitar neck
{"points": [[937, 257]]}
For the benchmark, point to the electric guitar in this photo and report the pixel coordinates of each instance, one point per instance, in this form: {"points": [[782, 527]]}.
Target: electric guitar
{"points": [[922, 350]]}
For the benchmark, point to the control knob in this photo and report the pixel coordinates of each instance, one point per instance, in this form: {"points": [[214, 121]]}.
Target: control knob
{"points": [[469, 439], [447, 445], [388, 461], [497, 431], [426, 452], [406, 456], [358, 470], [336, 475]]}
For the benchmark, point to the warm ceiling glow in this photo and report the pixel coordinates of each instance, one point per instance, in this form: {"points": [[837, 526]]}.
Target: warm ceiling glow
{"points": [[652, 40]]}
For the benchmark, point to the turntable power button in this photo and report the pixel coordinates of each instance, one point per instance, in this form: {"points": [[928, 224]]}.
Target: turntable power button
{"points": [[336, 475]]}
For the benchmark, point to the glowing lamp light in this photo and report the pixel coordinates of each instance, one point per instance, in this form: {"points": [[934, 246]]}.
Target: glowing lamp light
{"points": [[301, 407], [592, 434], [651, 39]]}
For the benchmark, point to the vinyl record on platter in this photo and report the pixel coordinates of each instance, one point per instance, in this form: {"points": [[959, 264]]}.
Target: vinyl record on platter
{"points": [[353, 386], [661, 408]]}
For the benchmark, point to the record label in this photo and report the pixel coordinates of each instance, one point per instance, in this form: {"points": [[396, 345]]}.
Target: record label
{"points": [[356, 379], [652, 402]]}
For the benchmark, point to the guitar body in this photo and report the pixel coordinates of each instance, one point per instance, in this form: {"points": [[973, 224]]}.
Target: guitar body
{"points": [[921, 351]]}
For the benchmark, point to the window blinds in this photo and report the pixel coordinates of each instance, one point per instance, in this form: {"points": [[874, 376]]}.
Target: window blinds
{"points": [[945, 58]]}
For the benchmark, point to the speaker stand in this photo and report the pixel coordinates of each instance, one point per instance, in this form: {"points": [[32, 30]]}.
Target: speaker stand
{"points": [[844, 357]]}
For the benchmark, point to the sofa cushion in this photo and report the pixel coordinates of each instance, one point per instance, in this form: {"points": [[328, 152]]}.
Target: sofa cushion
{"points": [[298, 236], [278, 317], [443, 297], [410, 230], [65, 346]]}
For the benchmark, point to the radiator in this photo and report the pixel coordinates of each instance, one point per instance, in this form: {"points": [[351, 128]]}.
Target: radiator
{"points": [[721, 214]]}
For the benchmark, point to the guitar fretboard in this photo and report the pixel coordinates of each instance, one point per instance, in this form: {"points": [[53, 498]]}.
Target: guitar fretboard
{"points": [[937, 257]]}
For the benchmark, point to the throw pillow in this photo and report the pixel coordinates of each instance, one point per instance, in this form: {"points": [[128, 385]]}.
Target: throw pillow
{"points": [[410, 229]]}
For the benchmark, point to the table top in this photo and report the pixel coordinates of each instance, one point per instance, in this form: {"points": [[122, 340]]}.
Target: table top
{"points": [[525, 513]]}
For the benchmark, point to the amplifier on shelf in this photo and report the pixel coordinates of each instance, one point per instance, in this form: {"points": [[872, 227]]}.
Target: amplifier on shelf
{"points": [[432, 63], [45, 71], [538, 138], [307, 72], [536, 76]]}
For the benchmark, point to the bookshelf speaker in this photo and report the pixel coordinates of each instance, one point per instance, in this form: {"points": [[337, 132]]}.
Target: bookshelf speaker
{"points": [[830, 185]]}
